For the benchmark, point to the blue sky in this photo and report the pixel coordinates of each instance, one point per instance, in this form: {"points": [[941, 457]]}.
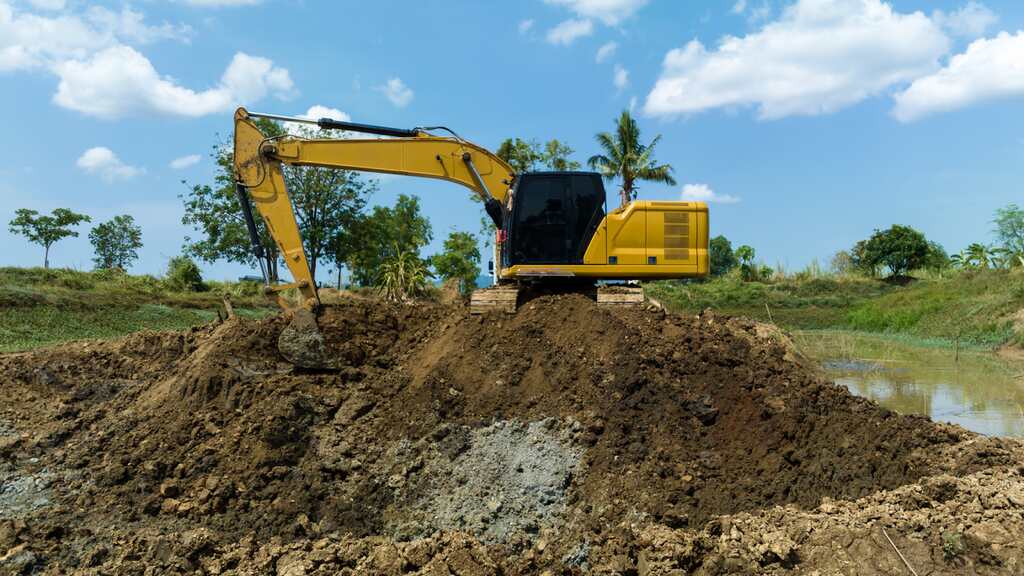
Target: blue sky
{"points": [[806, 123]]}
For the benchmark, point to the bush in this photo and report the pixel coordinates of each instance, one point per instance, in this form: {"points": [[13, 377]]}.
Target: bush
{"points": [[184, 275]]}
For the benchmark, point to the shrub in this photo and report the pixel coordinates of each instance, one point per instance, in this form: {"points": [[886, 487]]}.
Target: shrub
{"points": [[183, 275]]}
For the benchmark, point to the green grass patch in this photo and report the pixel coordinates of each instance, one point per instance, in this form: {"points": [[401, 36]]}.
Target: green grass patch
{"points": [[974, 308], [43, 307]]}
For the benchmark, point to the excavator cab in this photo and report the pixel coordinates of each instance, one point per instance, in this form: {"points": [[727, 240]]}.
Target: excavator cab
{"points": [[552, 218]]}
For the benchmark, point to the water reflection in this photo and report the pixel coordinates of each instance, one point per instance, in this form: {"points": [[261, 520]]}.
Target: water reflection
{"points": [[980, 392]]}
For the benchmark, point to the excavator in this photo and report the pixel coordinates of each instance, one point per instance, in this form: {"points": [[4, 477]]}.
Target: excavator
{"points": [[552, 228]]}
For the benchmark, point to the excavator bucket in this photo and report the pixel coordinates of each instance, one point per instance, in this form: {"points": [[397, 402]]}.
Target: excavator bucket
{"points": [[302, 344]]}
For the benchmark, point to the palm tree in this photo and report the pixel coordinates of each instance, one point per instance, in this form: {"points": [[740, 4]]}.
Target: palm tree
{"points": [[625, 157], [979, 256]]}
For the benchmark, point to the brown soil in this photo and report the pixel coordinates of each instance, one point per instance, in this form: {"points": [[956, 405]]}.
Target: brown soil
{"points": [[566, 438]]}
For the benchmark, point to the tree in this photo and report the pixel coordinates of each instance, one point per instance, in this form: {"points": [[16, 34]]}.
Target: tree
{"points": [[626, 158], [556, 157], [383, 234], [116, 243], [460, 260], [721, 256], [900, 249], [46, 230], [842, 262], [521, 155], [746, 254], [978, 256], [936, 260], [326, 202], [1009, 232]]}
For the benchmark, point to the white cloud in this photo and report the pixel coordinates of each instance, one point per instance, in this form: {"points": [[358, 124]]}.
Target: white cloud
{"points": [[610, 12], [632, 104], [568, 31], [397, 92], [704, 193], [101, 160], [32, 41], [129, 25], [48, 4], [185, 162], [739, 6], [971, 20], [525, 26], [990, 69], [119, 81], [818, 57], [620, 77], [607, 50]]}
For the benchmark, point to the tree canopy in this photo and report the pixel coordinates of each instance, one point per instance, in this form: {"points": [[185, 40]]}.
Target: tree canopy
{"points": [[385, 233], [116, 243], [900, 249], [627, 158], [460, 259], [46, 230], [722, 258]]}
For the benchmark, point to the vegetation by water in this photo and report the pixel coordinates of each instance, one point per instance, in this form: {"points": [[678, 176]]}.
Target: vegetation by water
{"points": [[978, 308]]}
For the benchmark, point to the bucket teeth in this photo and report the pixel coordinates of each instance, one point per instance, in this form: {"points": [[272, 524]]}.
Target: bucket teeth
{"points": [[302, 344]]}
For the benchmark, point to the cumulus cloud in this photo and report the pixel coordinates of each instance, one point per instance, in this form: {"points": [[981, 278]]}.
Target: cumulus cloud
{"points": [[569, 31], [525, 26], [620, 78], [610, 12], [606, 51], [101, 74], [971, 20], [119, 81], [397, 92], [704, 193], [818, 57], [184, 162], [33, 41], [102, 161], [739, 6], [990, 69]]}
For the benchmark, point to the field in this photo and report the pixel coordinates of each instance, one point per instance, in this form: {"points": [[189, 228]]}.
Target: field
{"points": [[43, 307]]}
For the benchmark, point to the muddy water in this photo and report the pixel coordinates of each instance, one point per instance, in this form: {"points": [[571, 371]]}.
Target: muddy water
{"points": [[978, 391]]}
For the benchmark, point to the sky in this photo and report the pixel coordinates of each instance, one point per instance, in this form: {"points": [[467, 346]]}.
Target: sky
{"points": [[806, 124]]}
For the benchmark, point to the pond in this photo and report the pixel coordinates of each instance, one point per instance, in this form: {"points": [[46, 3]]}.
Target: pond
{"points": [[975, 389]]}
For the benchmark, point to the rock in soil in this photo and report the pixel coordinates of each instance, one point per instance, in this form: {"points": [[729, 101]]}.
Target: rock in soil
{"points": [[564, 439]]}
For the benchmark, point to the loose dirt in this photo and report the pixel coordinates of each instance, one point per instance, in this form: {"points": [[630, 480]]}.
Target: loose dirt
{"points": [[564, 439]]}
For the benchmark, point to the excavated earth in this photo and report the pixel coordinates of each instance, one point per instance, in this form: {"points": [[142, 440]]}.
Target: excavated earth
{"points": [[564, 439]]}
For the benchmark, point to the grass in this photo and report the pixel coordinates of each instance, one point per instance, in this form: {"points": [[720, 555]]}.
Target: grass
{"points": [[45, 307], [975, 308]]}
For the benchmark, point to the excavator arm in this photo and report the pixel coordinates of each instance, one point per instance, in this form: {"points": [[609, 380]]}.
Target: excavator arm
{"points": [[258, 167]]}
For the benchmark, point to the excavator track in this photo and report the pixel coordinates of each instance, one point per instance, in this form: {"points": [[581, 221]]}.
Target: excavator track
{"points": [[619, 295], [502, 298]]}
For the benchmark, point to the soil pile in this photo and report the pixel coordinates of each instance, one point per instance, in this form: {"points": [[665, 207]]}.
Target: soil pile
{"points": [[565, 438]]}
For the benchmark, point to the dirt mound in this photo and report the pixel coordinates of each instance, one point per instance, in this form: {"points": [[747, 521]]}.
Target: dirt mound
{"points": [[567, 437]]}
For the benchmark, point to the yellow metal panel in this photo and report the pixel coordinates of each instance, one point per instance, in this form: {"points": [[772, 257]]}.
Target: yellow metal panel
{"points": [[627, 234]]}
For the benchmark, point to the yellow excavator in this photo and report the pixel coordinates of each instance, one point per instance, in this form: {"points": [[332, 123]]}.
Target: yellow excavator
{"points": [[553, 228]]}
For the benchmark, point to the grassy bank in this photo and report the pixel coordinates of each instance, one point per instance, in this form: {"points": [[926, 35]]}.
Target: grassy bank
{"points": [[43, 307], [976, 308]]}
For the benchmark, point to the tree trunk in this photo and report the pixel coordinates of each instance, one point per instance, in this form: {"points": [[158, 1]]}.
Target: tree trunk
{"points": [[339, 278], [46, 258]]}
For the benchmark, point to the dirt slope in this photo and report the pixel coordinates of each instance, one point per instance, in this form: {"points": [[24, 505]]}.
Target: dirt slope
{"points": [[566, 438]]}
